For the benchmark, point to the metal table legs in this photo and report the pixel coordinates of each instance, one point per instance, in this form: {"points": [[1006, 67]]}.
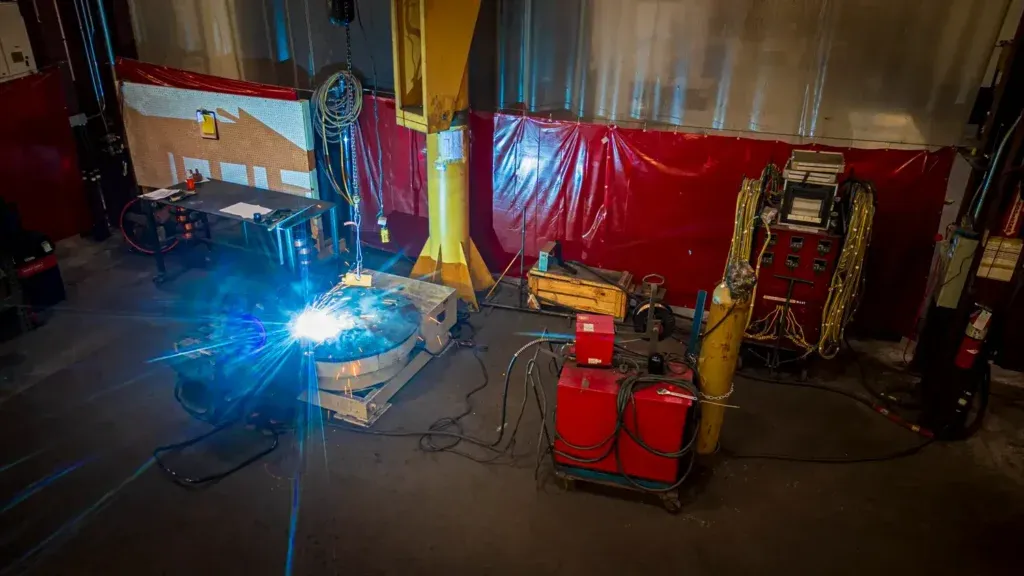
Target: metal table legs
{"points": [[149, 208], [334, 232]]}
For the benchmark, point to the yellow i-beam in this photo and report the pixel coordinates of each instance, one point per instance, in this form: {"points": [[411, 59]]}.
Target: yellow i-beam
{"points": [[431, 41]]}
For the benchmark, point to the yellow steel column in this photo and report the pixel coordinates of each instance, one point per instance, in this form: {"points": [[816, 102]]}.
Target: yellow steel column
{"points": [[719, 352], [431, 41], [449, 255]]}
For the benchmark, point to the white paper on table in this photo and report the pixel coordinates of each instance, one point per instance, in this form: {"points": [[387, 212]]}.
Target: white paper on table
{"points": [[247, 211], [160, 194]]}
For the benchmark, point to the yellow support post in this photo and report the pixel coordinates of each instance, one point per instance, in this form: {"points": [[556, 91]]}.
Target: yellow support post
{"points": [[431, 40], [450, 256], [719, 353]]}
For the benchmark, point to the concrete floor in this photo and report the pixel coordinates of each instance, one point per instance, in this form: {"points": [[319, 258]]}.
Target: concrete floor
{"points": [[81, 411]]}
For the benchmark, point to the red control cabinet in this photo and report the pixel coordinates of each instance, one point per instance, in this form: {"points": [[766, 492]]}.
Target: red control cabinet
{"points": [[587, 414], [595, 339], [808, 256]]}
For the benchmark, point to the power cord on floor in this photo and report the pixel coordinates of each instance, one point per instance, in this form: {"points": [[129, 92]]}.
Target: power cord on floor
{"points": [[903, 453], [833, 460], [450, 427], [236, 413], [884, 396]]}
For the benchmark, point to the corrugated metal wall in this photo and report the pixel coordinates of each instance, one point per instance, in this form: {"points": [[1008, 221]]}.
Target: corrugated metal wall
{"points": [[283, 42], [899, 71], [902, 71]]}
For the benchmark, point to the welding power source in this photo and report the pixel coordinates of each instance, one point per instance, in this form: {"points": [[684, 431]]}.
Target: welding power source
{"points": [[595, 339]]}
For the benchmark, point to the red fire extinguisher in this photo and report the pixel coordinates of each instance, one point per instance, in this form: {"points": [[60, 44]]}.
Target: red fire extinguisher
{"points": [[974, 338]]}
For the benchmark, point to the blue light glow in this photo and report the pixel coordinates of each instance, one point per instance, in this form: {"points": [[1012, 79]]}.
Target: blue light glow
{"points": [[320, 325], [281, 30]]}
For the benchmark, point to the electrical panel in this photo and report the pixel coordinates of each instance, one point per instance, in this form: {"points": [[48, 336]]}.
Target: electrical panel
{"points": [[17, 58], [808, 257]]}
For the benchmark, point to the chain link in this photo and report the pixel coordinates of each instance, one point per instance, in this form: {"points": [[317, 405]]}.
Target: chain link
{"points": [[732, 386], [348, 44]]}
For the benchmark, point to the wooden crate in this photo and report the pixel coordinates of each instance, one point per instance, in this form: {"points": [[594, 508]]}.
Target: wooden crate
{"points": [[584, 291]]}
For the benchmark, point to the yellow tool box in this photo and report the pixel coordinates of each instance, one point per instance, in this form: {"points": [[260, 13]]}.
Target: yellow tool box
{"points": [[588, 290]]}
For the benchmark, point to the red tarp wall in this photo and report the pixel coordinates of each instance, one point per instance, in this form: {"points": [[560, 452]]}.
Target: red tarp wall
{"points": [[626, 199], [647, 201], [38, 156]]}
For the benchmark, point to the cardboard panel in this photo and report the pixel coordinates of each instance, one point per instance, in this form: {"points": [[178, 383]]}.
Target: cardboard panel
{"points": [[264, 142]]}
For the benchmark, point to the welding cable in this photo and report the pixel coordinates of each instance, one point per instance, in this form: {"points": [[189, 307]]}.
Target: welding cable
{"points": [[720, 321], [912, 450], [229, 420], [883, 396], [337, 103], [625, 401], [443, 428], [882, 410], [844, 290], [194, 482], [134, 244], [929, 436]]}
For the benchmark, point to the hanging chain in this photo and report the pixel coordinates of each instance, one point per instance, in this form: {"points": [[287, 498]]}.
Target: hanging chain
{"points": [[350, 145], [348, 42]]}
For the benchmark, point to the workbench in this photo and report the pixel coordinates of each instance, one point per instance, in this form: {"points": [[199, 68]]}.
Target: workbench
{"points": [[213, 196]]}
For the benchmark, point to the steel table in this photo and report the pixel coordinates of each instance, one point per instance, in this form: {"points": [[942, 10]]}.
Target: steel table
{"points": [[212, 196]]}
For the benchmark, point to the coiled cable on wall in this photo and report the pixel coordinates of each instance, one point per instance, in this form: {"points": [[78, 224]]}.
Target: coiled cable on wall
{"points": [[336, 106], [337, 103], [846, 282]]}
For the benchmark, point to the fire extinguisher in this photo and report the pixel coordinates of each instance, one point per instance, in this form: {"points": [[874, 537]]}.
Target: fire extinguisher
{"points": [[974, 338]]}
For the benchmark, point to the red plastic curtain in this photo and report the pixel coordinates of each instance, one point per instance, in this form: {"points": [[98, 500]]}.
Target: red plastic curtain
{"points": [[38, 156], [130, 70], [650, 201]]}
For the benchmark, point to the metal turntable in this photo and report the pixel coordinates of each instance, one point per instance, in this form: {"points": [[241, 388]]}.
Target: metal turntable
{"points": [[392, 330]]}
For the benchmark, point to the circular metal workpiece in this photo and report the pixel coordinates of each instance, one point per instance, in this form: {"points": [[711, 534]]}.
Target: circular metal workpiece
{"points": [[381, 332]]}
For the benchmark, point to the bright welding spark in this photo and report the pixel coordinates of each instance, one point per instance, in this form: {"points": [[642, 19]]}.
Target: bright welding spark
{"points": [[320, 325]]}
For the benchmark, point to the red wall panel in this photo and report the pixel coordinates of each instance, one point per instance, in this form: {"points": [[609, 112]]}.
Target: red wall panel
{"points": [[653, 201], [38, 157], [403, 154]]}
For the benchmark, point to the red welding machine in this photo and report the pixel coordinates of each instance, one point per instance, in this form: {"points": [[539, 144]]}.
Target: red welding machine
{"points": [[595, 339], [587, 420]]}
